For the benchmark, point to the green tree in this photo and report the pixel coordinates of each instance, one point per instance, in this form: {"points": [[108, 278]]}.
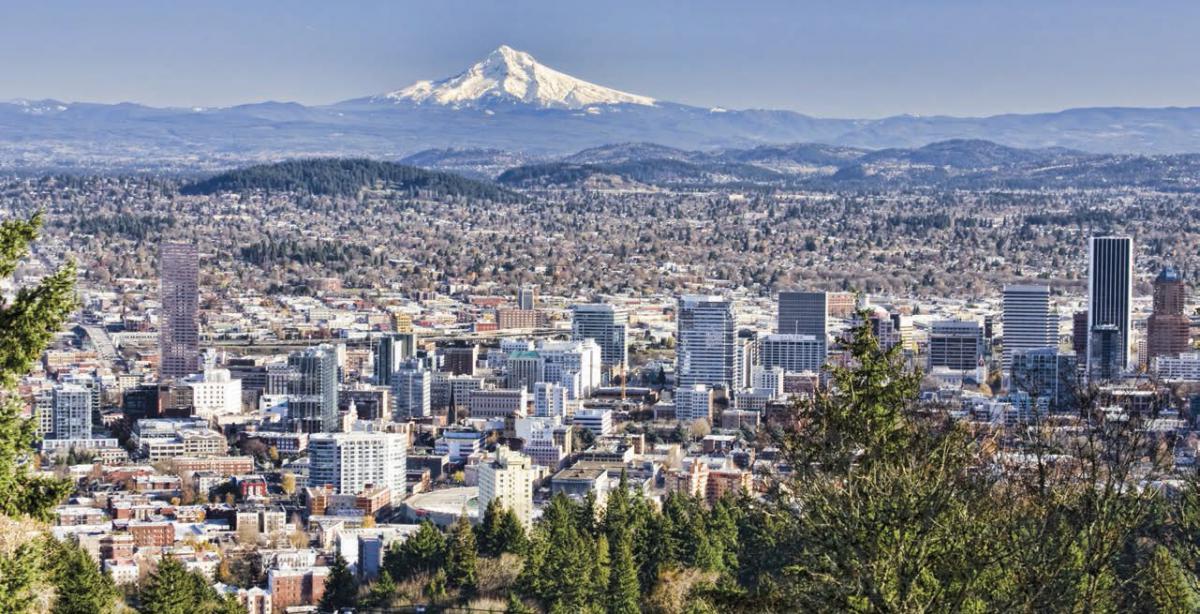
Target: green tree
{"points": [[423, 551], [27, 324], [382, 592], [488, 532], [80, 586], [511, 535], [461, 555], [341, 588], [172, 589], [623, 589]]}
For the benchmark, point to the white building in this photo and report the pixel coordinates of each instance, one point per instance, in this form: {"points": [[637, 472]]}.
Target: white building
{"points": [[563, 359], [704, 342], [215, 393], [549, 400], [351, 462], [1029, 321], [72, 407], [794, 353], [1184, 368], [412, 396], [598, 421], [693, 403], [509, 478]]}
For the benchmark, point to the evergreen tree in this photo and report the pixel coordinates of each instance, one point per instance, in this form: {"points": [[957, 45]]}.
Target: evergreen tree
{"points": [[341, 587], [623, 587], [559, 568], [601, 566], [172, 589], [461, 555], [511, 534], [488, 532], [424, 551], [27, 324], [80, 586], [381, 592]]}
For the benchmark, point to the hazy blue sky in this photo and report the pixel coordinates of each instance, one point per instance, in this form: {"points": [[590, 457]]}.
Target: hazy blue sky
{"points": [[837, 58]]}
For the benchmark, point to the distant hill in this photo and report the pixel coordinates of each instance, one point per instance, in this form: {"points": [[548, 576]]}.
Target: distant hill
{"points": [[345, 177], [956, 163]]}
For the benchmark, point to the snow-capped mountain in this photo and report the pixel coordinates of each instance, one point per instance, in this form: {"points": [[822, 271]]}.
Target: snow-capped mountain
{"points": [[510, 102], [507, 75]]}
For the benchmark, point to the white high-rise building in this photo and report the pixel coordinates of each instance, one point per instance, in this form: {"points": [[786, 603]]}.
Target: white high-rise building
{"points": [[1030, 323], [607, 325], [412, 392], [549, 400], [350, 462], [563, 358], [792, 353], [72, 412], [509, 478], [215, 393], [704, 346], [693, 403], [1110, 304]]}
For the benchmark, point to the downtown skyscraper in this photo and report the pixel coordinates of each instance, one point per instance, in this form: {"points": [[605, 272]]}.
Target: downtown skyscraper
{"points": [[607, 325], [1029, 321], [704, 351], [1110, 300], [179, 328], [312, 390]]}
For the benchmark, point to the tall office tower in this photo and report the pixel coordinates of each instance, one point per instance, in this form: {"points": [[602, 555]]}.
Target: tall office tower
{"points": [[509, 478], [607, 325], [1106, 353], [792, 353], [412, 391], [391, 349], [1047, 375], [1110, 297], [527, 298], [1029, 321], [352, 461], [704, 342], [72, 410], [549, 400], [1079, 333], [955, 344], [804, 313], [1168, 327], [179, 328], [312, 390]]}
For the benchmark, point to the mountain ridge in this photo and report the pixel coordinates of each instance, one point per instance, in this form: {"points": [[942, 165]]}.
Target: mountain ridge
{"points": [[509, 101]]}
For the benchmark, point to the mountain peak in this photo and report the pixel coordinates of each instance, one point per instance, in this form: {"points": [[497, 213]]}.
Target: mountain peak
{"points": [[512, 76]]}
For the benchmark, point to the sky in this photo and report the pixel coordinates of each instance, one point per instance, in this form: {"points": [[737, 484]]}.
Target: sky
{"points": [[847, 58]]}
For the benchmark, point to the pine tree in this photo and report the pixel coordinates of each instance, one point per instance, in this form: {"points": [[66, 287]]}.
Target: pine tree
{"points": [[172, 589], [488, 531], [382, 591], [461, 556], [623, 588], [601, 567], [27, 324], [511, 534], [341, 588], [424, 551], [80, 586]]}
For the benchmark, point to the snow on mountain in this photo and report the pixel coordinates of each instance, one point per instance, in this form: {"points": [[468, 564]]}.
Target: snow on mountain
{"points": [[507, 75]]}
